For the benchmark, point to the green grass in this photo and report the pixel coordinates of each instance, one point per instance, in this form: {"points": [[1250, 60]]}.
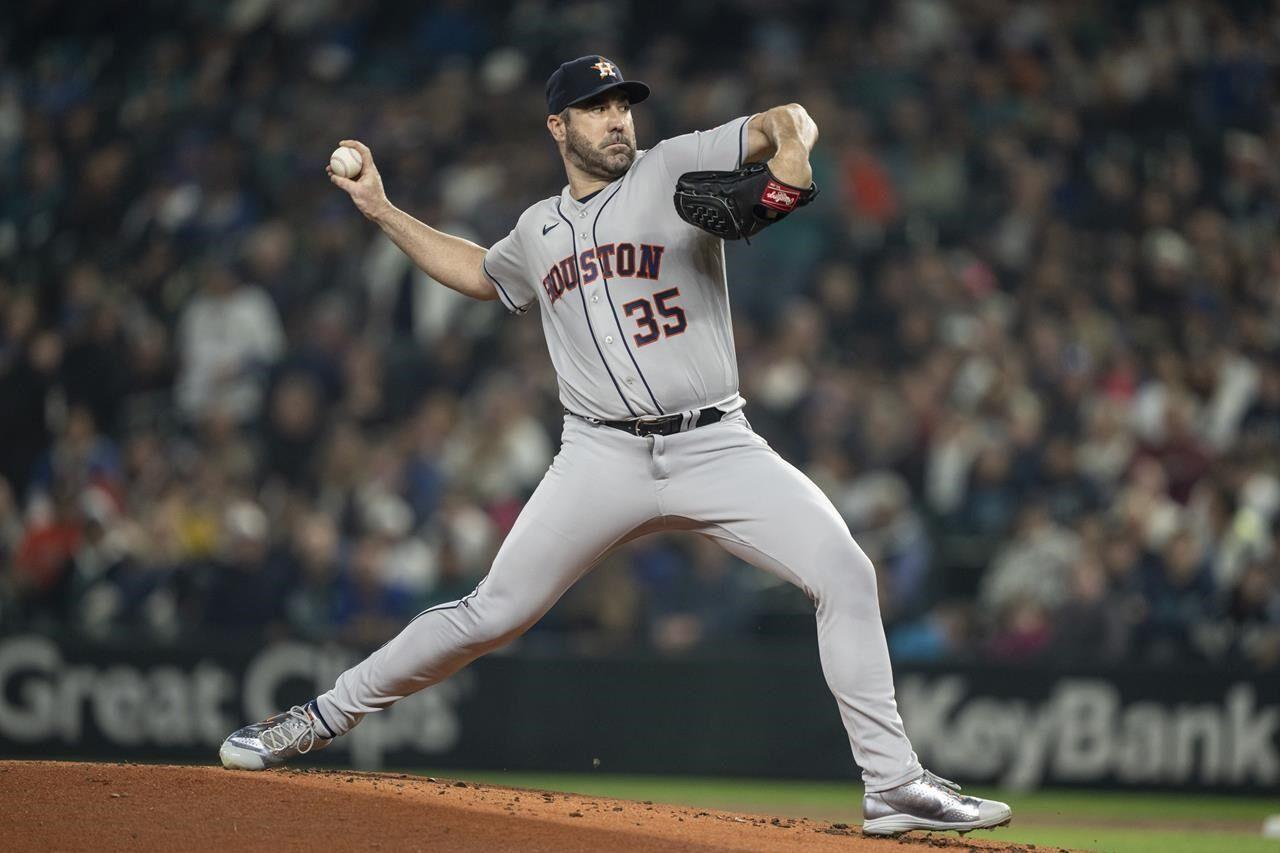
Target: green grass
{"points": [[1122, 840], [1068, 805], [1079, 820]]}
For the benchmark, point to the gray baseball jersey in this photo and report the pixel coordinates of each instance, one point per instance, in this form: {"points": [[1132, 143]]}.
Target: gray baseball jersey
{"points": [[634, 300], [636, 313]]}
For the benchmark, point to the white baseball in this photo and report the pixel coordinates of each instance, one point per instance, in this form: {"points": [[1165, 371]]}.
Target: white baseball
{"points": [[346, 162]]}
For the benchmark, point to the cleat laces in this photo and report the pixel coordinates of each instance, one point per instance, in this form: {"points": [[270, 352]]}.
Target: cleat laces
{"points": [[295, 730], [945, 782]]}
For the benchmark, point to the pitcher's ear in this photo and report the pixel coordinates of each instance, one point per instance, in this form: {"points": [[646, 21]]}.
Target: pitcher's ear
{"points": [[555, 127]]}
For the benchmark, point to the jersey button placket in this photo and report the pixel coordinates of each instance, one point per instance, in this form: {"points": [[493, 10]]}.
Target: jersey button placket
{"points": [[602, 311], [603, 315]]}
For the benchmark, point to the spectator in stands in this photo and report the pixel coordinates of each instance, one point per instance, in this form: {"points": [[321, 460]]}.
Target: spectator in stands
{"points": [[80, 458], [293, 430], [1179, 596], [1254, 610], [30, 359], [246, 586], [1092, 624], [227, 336], [945, 633], [693, 608], [316, 556]]}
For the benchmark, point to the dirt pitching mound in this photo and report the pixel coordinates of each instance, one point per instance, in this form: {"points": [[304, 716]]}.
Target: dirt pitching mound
{"points": [[51, 805]]}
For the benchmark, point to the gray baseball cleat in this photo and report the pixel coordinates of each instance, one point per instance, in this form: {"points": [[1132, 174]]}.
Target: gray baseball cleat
{"points": [[930, 803], [276, 739]]}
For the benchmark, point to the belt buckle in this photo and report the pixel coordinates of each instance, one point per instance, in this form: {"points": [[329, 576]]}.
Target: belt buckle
{"points": [[641, 423]]}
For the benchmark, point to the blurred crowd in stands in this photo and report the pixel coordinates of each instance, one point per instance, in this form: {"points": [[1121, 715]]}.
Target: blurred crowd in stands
{"points": [[1028, 338]]}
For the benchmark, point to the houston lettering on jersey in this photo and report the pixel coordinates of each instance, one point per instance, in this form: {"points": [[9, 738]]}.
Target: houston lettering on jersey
{"points": [[612, 260]]}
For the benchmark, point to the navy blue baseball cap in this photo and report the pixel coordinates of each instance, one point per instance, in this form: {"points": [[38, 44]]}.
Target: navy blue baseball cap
{"points": [[585, 77]]}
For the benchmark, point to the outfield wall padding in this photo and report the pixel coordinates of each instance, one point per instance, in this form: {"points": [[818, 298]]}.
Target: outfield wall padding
{"points": [[766, 713]]}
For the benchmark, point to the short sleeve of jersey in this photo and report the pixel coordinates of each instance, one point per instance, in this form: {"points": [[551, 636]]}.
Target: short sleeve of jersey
{"points": [[721, 148], [505, 266]]}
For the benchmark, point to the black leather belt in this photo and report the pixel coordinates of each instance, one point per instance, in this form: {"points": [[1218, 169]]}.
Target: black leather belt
{"points": [[668, 425]]}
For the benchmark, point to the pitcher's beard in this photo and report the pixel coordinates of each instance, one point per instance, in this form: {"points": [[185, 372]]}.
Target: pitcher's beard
{"points": [[596, 162]]}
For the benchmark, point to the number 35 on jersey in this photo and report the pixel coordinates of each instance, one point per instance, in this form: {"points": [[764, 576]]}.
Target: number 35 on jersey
{"points": [[642, 310]]}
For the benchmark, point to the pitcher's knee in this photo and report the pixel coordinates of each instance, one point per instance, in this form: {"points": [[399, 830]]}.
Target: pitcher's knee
{"points": [[847, 573], [490, 628], [487, 636]]}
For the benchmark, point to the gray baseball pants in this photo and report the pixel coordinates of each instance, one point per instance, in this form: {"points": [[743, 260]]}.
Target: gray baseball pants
{"points": [[606, 487]]}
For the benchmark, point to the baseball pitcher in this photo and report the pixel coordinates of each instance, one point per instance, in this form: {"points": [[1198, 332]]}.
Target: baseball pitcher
{"points": [[626, 267]]}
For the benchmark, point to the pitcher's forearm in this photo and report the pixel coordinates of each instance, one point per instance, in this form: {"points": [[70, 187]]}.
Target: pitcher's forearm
{"points": [[454, 262]]}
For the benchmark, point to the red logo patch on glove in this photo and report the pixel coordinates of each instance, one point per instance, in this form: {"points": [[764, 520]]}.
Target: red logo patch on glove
{"points": [[778, 197]]}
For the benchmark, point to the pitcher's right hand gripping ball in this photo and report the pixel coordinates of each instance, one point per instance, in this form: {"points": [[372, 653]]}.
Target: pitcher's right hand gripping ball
{"points": [[740, 203], [366, 188]]}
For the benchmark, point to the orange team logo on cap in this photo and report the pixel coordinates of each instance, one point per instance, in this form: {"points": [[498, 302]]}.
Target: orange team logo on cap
{"points": [[605, 67]]}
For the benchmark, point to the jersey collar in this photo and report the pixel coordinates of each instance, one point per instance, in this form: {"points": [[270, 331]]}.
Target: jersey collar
{"points": [[568, 202]]}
